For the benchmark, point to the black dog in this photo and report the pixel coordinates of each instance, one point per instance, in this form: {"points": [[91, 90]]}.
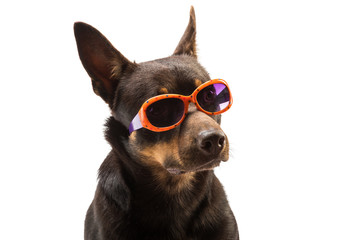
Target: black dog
{"points": [[157, 184]]}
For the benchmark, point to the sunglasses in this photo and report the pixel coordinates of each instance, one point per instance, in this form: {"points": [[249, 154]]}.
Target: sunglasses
{"points": [[166, 111]]}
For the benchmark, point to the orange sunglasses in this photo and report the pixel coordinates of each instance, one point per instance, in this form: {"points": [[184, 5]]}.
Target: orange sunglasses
{"points": [[166, 111]]}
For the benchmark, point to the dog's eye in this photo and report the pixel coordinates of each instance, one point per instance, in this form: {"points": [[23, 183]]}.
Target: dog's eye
{"points": [[166, 112], [207, 95], [214, 98], [155, 110], [210, 96]]}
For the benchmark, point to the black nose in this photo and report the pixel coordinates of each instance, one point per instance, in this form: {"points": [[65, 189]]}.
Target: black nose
{"points": [[211, 142]]}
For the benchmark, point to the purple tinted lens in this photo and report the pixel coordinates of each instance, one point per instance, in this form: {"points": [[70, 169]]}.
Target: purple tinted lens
{"points": [[214, 98], [165, 112]]}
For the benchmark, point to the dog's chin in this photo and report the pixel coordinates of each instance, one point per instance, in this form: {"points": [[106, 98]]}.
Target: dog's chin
{"points": [[205, 167]]}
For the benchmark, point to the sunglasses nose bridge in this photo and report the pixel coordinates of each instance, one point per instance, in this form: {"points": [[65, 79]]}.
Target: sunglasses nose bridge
{"points": [[192, 100], [192, 107], [187, 101]]}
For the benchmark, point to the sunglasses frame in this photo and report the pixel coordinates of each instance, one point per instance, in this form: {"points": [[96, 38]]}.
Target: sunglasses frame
{"points": [[141, 120]]}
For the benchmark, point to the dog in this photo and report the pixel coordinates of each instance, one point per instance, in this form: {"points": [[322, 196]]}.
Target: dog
{"points": [[158, 182]]}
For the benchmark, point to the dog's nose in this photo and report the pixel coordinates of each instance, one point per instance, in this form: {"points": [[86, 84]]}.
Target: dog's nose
{"points": [[211, 142]]}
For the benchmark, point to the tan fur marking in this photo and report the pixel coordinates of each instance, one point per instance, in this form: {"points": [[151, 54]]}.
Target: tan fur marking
{"points": [[155, 156], [198, 82], [185, 181], [115, 69], [133, 136], [164, 90], [156, 153]]}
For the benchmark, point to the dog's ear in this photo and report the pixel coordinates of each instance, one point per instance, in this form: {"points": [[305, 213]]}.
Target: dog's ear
{"points": [[187, 44], [101, 60]]}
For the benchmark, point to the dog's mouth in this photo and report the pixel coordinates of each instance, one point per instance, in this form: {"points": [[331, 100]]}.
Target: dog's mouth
{"points": [[175, 171], [204, 167]]}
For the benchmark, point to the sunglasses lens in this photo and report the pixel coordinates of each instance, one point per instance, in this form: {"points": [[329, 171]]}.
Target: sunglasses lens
{"points": [[165, 112], [214, 98]]}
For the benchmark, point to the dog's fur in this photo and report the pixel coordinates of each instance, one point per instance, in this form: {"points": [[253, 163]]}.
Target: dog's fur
{"points": [[155, 185]]}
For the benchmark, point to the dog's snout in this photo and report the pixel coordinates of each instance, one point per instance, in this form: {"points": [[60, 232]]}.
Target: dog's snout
{"points": [[211, 142]]}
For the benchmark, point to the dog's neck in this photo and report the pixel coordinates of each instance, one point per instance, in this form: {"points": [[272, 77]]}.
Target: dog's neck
{"points": [[151, 186]]}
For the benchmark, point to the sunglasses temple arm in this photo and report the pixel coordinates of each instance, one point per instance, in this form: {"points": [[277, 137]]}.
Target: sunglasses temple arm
{"points": [[135, 124]]}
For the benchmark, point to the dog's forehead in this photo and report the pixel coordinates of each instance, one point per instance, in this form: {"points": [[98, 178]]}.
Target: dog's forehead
{"points": [[176, 74]]}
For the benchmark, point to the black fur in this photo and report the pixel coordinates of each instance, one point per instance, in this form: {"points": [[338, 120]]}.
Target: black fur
{"points": [[154, 185]]}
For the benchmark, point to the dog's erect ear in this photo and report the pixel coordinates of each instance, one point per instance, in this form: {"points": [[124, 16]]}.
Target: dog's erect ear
{"points": [[187, 44], [102, 61]]}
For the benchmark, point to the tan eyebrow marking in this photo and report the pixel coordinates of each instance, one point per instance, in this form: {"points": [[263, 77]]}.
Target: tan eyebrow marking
{"points": [[164, 90], [198, 82]]}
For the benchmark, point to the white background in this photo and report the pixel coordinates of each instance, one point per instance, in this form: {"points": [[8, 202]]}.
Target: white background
{"points": [[293, 67]]}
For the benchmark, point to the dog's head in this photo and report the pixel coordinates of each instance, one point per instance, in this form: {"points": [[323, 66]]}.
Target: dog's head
{"points": [[197, 144]]}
